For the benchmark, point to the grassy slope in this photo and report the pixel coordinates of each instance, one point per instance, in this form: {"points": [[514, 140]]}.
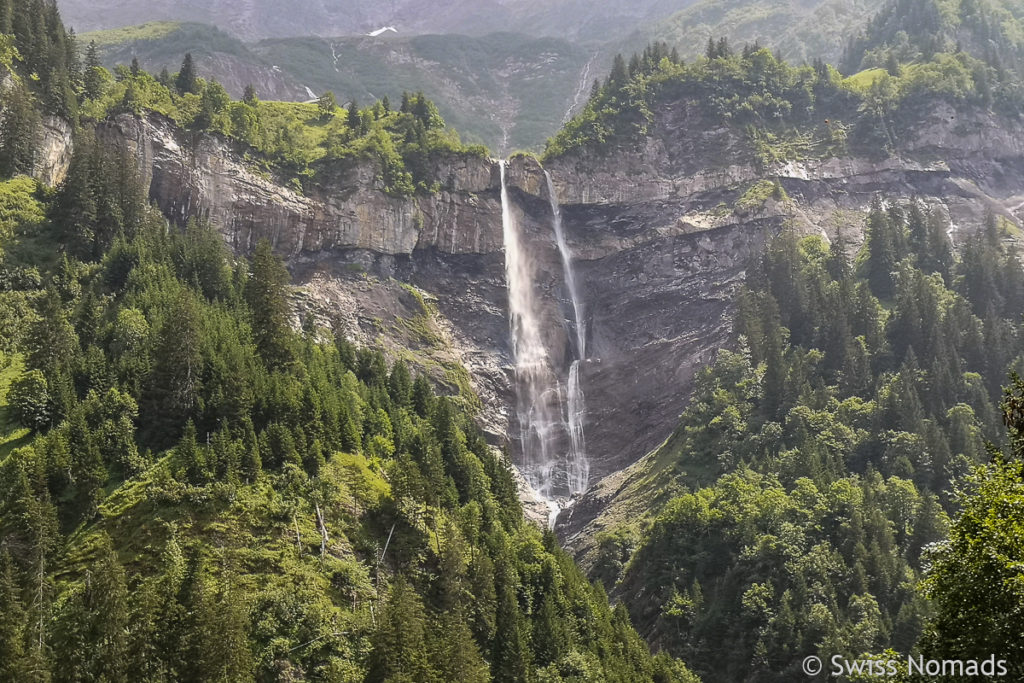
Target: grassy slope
{"points": [[799, 29], [12, 434], [163, 42]]}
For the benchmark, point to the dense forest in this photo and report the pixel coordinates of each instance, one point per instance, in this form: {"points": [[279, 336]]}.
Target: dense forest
{"points": [[786, 111], [196, 486], [819, 464]]}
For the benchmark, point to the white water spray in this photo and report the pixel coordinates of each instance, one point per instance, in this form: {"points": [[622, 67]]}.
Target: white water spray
{"points": [[549, 400], [578, 466], [538, 396]]}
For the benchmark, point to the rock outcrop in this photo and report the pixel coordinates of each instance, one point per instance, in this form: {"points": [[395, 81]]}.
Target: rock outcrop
{"points": [[54, 143], [198, 175]]}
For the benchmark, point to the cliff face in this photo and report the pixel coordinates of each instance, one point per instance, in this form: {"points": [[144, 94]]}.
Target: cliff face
{"points": [[191, 175], [660, 234], [54, 144]]}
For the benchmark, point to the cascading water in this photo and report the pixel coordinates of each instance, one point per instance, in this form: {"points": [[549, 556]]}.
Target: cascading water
{"points": [[578, 465], [538, 397], [546, 415]]}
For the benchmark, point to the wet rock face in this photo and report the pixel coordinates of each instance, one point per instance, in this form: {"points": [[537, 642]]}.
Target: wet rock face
{"points": [[661, 237]]}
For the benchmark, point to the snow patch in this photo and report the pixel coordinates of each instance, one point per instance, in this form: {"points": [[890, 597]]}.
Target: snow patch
{"points": [[382, 30], [312, 95]]}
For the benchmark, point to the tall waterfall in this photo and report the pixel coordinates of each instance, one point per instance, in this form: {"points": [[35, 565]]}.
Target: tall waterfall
{"points": [[578, 465], [538, 394], [549, 404]]}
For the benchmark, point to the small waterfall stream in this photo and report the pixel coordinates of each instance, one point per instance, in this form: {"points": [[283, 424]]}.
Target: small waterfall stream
{"points": [[578, 465], [546, 414]]}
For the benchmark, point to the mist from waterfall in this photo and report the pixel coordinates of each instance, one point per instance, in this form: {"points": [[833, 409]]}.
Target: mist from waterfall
{"points": [[578, 466], [549, 404], [538, 394]]}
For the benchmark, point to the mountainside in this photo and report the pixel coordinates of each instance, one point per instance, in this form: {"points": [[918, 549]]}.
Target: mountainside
{"points": [[252, 19], [234, 64], [799, 30], [662, 229], [198, 480], [302, 391], [504, 90], [915, 31]]}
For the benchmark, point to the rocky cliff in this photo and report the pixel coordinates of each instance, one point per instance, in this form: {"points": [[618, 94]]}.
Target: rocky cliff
{"points": [[661, 234], [54, 143]]}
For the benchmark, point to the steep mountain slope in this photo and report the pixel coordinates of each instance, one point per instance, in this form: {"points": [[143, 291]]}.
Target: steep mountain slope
{"points": [[907, 31], [250, 19], [504, 90], [196, 485], [800, 30], [662, 225], [159, 46]]}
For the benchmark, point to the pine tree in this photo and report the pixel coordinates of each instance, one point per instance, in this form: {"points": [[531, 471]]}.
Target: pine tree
{"points": [[881, 251], [175, 381], [13, 622], [192, 457], [19, 131], [188, 79], [93, 78], [354, 122], [400, 642], [249, 96], [620, 73], [266, 294], [511, 661], [92, 641]]}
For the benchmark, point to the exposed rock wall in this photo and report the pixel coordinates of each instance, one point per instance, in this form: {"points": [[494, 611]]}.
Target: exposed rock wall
{"points": [[55, 144], [198, 175]]}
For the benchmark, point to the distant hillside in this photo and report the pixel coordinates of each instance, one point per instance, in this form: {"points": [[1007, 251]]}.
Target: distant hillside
{"points": [[162, 45], [504, 90], [906, 31], [800, 29], [253, 19]]}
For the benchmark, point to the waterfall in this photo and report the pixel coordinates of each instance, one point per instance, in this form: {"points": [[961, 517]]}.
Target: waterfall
{"points": [[538, 396], [549, 404], [578, 465]]}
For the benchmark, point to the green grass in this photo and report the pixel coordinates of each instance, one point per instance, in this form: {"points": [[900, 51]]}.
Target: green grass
{"points": [[12, 434], [154, 30], [860, 82]]}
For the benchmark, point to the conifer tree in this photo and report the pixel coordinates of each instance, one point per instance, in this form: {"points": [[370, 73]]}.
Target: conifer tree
{"points": [[176, 378], [92, 640], [19, 131], [511, 660], [266, 294], [12, 622], [93, 78], [187, 80], [400, 642], [881, 251], [354, 122]]}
